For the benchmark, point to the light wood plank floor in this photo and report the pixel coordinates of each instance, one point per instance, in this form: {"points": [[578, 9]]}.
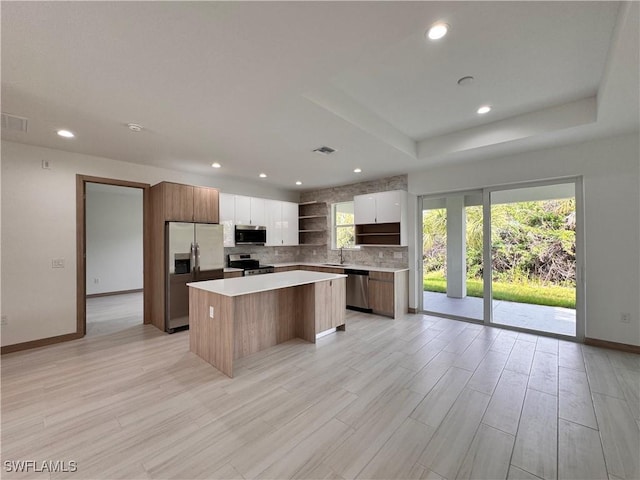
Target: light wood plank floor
{"points": [[114, 313], [419, 397]]}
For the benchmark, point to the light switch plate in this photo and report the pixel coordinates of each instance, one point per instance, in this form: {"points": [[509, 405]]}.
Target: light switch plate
{"points": [[57, 263]]}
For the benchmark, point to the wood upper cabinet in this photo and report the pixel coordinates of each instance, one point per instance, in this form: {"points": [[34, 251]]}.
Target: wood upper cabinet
{"points": [[185, 203], [206, 205], [178, 202]]}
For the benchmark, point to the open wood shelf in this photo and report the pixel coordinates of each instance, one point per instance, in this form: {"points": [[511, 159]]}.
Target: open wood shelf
{"points": [[378, 234], [312, 223]]}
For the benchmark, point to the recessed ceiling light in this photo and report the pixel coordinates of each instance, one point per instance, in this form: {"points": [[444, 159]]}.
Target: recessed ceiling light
{"points": [[216, 165], [134, 127], [263, 175], [357, 170], [298, 182], [65, 133], [437, 31], [484, 109]]}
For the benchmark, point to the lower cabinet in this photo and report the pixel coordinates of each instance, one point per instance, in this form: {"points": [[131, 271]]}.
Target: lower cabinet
{"points": [[333, 293], [389, 293], [232, 274], [381, 293], [286, 269]]}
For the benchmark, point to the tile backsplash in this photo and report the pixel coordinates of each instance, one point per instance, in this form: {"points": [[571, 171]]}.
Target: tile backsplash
{"points": [[370, 256]]}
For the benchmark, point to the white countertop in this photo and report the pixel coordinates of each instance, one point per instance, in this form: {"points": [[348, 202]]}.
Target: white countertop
{"points": [[232, 287], [346, 265], [231, 269]]}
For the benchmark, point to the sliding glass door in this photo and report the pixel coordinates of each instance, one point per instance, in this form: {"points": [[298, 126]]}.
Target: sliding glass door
{"points": [[533, 258], [525, 276], [452, 227]]}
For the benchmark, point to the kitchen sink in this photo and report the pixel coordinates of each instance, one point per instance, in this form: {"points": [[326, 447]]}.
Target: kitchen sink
{"points": [[336, 264]]}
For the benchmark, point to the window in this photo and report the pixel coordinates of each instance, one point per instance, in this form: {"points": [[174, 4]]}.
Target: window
{"points": [[343, 227]]}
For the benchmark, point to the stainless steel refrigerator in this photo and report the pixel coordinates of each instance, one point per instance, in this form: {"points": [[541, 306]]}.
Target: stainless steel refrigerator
{"points": [[195, 252]]}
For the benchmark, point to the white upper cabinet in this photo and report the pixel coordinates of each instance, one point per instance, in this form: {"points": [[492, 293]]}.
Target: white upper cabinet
{"points": [[289, 223], [281, 222], [364, 208], [382, 207], [389, 206], [249, 210], [227, 218]]}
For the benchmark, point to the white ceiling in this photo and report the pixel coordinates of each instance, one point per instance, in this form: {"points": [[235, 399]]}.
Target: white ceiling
{"points": [[257, 86]]}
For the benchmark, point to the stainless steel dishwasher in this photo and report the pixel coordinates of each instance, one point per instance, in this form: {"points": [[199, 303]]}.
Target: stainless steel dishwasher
{"points": [[358, 290]]}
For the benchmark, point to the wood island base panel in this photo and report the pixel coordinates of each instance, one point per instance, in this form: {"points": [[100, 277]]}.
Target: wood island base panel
{"points": [[226, 324]]}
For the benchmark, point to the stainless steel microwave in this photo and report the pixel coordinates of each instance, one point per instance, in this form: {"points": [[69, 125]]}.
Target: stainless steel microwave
{"points": [[250, 235]]}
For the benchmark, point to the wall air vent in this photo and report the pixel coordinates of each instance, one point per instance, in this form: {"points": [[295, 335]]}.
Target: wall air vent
{"points": [[11, 122], [324, 150]]}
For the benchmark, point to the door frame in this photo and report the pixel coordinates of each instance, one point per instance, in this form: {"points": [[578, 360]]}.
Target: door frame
{"points": [[81, 246], [487, 273]]}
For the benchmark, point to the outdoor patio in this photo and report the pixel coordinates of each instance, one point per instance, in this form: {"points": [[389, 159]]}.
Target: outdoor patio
{"points": [[535, 317]]}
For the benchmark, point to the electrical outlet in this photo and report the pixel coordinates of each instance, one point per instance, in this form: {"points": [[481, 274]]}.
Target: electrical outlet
{"points": [[57, 263], [211, 312], [625, 317], [380, 254], [314, 252], [96, 281], [397, 255], [5, 320]]}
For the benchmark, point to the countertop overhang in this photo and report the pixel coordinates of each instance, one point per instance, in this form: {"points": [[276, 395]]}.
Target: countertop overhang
{"points": [[232, 287]]}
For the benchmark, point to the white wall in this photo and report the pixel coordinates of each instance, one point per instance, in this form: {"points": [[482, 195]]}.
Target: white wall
{"points": [[611, 173], [39, 224], [114, 236]]}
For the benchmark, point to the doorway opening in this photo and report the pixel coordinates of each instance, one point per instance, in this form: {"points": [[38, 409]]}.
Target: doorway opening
{"points": [[533, 243], [112, 255]]}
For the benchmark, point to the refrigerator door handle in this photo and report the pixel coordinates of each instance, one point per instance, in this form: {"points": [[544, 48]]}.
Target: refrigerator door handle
{"points": [[194, 258], [197, 257]]}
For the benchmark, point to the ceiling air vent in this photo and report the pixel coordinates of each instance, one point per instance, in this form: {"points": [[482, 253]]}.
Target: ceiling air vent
{"points": [[324, 150], [11, 122]]}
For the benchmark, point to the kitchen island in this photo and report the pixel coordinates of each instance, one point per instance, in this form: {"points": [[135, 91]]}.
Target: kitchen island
{"points": [[235, 317]]}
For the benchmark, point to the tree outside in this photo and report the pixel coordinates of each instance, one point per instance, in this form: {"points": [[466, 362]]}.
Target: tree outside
{"points": [[345, 228], [533, 251]]}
